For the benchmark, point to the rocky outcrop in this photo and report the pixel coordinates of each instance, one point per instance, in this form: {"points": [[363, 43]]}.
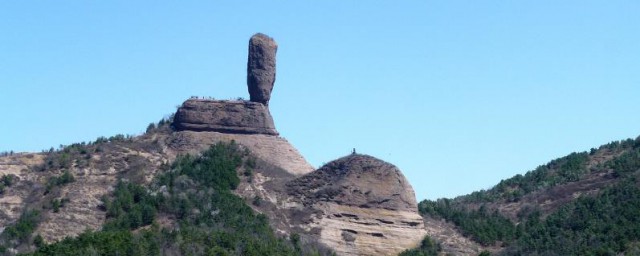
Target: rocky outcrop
{"points": [[273, 150], [261, 67], [357, 205], [356, 180], [240, 117]]}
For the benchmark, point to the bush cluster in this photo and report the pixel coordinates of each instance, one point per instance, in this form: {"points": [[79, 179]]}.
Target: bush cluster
{"points": [[5, 181], [606, 223], [196, 194]]}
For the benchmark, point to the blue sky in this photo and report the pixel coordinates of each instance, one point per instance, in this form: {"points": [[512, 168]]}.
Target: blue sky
{"points": [[457, 94]]}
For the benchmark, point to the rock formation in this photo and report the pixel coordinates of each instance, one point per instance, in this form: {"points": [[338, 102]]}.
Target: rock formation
{"points": [[261, 67], [273, 150], [358, 205], [239, 117], [356, 180]]}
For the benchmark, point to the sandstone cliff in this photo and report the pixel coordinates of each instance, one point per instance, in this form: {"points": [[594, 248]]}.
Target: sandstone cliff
{"points": [[358, 205], [236, 117]]}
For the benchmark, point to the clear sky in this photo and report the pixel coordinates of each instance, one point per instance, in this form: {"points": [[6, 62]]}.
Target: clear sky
{"points": [[457, 94]]}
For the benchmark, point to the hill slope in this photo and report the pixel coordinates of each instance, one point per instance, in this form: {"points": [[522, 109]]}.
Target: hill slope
{"points": [[579, 204], [61, 192], [83, 198], [188, 209]]}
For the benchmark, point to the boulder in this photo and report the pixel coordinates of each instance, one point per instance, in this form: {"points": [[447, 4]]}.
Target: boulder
{"points": [[261, 67]]}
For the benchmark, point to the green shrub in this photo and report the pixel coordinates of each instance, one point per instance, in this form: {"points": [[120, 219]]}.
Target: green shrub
{"points": [[131, 207], [601, 225], [38, 241], [428, 247], [61, 180], [6, 181], [482, 226], [22, 229], [197, 193]]}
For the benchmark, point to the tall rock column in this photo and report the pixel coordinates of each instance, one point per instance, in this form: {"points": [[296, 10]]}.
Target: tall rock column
{"points": [[261, 67]]}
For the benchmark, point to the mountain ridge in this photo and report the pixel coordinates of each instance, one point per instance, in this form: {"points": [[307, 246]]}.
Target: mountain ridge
{"points": [[498, 218], [210, 176]]}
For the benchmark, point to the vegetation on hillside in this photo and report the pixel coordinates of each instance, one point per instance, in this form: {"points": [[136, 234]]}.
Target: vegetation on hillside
{"points": [[79, 155], [570, 168], [65, 178], [428, 247], [606, 223], [481, 225], [6, 153], [23, 228], [189, 210], [5, 182]]}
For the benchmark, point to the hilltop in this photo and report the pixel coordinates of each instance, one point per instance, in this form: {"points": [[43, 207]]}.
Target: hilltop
{"points": [[580, 204], [216, 178], [215, 169]]}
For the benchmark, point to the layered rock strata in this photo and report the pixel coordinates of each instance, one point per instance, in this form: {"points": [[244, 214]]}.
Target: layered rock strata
{"points": [[274, 150], [358, 205], [237, 117]]}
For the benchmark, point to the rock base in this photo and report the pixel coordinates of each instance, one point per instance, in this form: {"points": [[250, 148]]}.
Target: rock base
{"points": [[237, 117]]}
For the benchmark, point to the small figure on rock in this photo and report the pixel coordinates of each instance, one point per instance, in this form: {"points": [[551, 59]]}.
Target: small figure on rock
{"points": [[261, 67]]}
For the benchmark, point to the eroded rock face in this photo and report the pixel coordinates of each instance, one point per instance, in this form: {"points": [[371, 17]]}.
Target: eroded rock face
{"points": [[358, 205], [274, 150], [261, 67], [357, 180], [239, 117], [138, 160]]}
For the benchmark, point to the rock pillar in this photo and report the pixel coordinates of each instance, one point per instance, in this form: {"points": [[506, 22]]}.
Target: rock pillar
{"points": [[261, 67]]}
